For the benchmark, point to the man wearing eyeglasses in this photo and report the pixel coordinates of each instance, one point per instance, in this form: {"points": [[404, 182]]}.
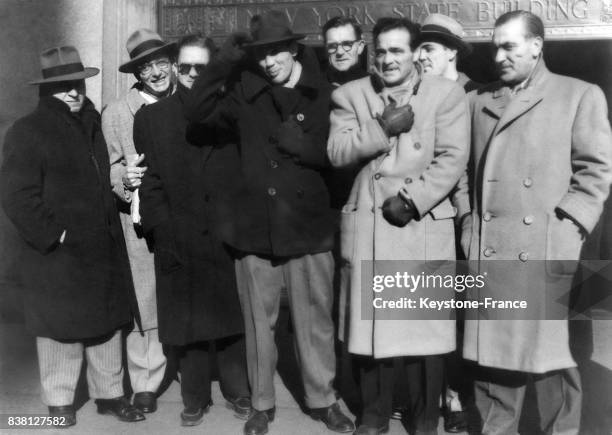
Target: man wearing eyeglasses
{"points": [[150, 62], [184, 198], [344, 46]]}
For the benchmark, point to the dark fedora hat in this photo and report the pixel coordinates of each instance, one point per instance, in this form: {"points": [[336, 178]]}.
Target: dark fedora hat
{"points": [[141, 44], [62, 64], [271, 27], [444, 29]]}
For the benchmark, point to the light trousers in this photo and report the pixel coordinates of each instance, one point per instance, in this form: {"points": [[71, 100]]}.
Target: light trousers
{"points": [[308, 280], [60, 366]]}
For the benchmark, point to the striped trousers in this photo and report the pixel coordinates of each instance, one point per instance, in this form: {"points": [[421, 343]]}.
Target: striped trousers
{"points": [[60, 365]]}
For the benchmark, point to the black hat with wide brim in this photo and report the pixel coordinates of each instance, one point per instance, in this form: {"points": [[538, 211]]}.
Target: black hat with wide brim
{"points": [[271, 28], [63, 64]]}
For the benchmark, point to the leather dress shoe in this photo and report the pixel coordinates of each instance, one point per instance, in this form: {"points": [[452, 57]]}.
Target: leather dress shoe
{"points": [[455, 421], [241, 407], [66, 416], [145, 401], [193, 416], [121, 408], [333, 418], [364, 429], [258, 422]]}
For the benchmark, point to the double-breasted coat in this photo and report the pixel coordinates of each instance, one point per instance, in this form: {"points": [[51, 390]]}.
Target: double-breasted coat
{"points": [[184, 197], [118, 129], [286, 206], [426, 163], [540, 155], [55, 178]]}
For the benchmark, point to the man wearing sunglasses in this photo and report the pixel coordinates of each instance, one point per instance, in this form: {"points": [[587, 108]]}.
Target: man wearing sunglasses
{"points": [[150, 62], [190, 176]]}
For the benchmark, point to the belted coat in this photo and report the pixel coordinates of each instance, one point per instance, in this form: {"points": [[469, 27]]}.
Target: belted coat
{"points": [[55, 178], [426, 163], [542, 162]]}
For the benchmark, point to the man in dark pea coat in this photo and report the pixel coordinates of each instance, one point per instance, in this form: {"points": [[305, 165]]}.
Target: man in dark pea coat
{"points": [[284, 230], [55, 188], [183, 204]]}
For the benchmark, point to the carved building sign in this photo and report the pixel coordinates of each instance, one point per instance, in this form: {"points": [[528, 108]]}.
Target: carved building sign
{"points": [[564, 19]]}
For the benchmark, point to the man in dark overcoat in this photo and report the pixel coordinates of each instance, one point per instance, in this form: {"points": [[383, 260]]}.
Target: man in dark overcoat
{"points": [[182, 204], [285, 227], [55, 188]]}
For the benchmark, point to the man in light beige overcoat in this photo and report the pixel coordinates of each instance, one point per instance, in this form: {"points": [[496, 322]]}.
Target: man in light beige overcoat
{"points": [[411, 132], [150, 62], [541, 148]]}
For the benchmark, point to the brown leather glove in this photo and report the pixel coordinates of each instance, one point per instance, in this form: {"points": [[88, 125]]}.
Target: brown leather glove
{"points": [[232, 50], [397, 211], [395, 120], [290, 136]]}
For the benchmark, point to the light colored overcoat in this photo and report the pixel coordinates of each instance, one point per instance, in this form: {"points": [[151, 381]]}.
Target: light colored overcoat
{"points": [[543, 153], [425, 164], [117, 126]]}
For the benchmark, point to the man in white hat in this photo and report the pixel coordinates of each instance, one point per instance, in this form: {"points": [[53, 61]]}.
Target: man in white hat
{"points": [[150, 62], [55, 188], [441, 46]]}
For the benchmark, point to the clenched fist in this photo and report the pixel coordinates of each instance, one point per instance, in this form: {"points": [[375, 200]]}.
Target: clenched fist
{"points": [[398, 211], [395, 120]]}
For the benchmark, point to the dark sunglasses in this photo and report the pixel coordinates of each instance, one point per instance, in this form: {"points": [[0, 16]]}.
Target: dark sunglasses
{"points": [[185, 68]]}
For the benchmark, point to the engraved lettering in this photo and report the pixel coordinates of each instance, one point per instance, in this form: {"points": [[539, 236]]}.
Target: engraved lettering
{"points": [[581, 13], [453, 10], [290, 17], [397, 12], [564, 10], [367, 17], [315, 11], [482, 13], [536, 7], [329, 13]]}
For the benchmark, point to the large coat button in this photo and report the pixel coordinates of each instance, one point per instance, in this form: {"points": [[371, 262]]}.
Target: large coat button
{"points": [[408, 180], [528, 220], [488, 252], [487, 216], [524, 256], [417, 145], [527, 182], [377, 176], [299, 117], [271, 191], [273, 164]]}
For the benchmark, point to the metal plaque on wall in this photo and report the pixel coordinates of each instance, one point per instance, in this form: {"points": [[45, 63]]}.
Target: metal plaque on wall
{"points": [[564, 19]]}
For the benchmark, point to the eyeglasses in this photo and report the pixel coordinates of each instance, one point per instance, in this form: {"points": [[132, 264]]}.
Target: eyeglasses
{"points": [[185, 68], [147, 68], [332, 47]]}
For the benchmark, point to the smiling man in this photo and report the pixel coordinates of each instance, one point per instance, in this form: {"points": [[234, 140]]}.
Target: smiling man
{"points": [[283, 232], [150, 62], [411, 132], [542, 159]]}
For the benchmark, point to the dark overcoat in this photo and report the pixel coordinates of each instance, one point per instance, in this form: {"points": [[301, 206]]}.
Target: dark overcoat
{"points": [[182, 199], [55, 177], [286, 210]]}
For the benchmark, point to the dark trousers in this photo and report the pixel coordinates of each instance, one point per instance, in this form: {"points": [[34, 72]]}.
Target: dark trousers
{"points": [[500, 395], [423, 377], [196, 362]]}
